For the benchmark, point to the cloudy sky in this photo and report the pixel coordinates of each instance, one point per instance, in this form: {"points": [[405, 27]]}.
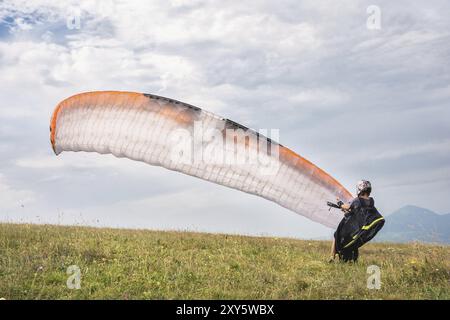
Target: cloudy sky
{"points": [[359, 96]]}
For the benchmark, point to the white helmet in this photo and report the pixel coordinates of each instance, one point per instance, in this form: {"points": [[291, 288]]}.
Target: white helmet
{"points": [[363, 186]]}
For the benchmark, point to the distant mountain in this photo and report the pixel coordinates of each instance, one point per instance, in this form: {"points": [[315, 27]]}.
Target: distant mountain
{"points": [[412, 223]]}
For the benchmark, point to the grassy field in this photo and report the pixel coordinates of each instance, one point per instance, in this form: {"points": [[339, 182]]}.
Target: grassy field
{"points": [[138, 264]]}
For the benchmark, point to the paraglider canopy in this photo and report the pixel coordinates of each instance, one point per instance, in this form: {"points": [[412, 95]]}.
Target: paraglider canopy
{"points": [[164, 132]]}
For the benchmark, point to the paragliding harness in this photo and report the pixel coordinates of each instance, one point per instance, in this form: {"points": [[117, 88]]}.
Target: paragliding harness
{"points": [[357, 227]]}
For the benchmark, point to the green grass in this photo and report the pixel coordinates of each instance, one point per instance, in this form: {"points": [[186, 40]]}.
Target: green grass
{"points": [[138, 264]]}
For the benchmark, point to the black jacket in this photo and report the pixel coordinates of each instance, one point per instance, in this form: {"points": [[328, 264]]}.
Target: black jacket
{"points": [[359, 225]]}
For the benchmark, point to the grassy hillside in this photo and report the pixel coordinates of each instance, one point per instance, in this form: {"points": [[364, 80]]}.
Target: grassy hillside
{"points": [[130, 264]]}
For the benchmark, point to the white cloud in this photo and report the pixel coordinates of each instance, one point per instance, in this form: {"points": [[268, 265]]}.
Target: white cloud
{"points": [[311, 69], [12, 199], [323, 97], [435, 147]]}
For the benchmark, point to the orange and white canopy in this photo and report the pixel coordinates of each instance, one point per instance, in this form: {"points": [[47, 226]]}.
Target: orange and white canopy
{"points": [[150, 128]]}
